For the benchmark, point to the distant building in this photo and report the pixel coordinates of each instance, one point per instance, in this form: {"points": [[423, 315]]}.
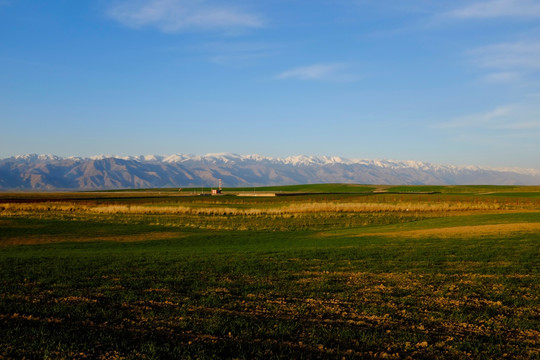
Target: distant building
{"points": [[218, 190]]}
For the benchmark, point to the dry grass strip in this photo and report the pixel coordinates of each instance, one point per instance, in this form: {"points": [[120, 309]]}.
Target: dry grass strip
{"points": [[315, 207], [49, 239], [461, 231]]}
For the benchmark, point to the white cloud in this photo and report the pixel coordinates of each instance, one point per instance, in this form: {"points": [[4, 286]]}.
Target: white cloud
{"points": [[238, 53], [502, 77], [509, 119], [523, 125], [498, 8], [519, 55], [475, 120], [327, 72], [181, 15]]}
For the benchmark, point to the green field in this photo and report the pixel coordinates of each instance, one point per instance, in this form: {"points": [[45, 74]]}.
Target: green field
{"points": [[160, 274]]}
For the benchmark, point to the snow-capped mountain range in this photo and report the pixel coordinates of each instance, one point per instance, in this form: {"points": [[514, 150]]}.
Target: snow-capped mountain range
{"points": [[51, 172]]}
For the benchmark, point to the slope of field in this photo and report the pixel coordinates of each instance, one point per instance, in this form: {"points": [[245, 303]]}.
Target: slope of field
{"points": [[158, 275]]}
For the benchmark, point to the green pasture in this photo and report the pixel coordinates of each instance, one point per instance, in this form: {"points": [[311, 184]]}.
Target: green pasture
{"points": [[462, 285], [348, 188], [321, 188]]}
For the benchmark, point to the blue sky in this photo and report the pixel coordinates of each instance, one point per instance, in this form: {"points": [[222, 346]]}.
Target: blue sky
{"points": [[450, 82]]}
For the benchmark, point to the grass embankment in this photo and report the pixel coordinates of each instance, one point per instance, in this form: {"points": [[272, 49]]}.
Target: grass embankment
{"points": [[304, 277]]}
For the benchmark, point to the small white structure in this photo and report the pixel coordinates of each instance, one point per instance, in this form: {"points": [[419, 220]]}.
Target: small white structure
{"points": [[218, 190]]}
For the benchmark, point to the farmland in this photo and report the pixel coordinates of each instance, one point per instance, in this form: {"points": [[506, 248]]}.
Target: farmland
{"points": [[345, 272]]}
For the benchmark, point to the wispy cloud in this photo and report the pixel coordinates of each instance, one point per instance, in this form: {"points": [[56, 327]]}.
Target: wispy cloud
{"points": [[238, 53], [480, 119], [497, 9], [510, 119], [502, 77], [327, 72], [518, 55], [511, 131], [508, 63], [181, 15]]}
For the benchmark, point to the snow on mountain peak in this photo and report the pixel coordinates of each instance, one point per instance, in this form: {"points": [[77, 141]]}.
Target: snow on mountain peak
{"points": [[36, 157], [294, 160], [175, 158]]}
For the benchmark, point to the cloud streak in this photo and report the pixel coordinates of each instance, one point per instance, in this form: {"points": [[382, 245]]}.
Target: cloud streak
{"points": [[509, 119], [478, 120], [497, 9], [238, 54], [325, 72], [519, 55], [502, 77], [182, 15]]}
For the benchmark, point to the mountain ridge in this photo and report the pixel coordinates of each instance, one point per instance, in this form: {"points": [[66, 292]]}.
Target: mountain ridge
{"points": [[52, 172]]}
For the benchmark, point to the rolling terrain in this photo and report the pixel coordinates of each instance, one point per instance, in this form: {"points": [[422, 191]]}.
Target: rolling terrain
{"points": [[383, 273]]}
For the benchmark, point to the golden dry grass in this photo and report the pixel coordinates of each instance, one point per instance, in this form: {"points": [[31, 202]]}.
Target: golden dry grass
{"points": [[314, 207], [462, 231], [49, 239]]}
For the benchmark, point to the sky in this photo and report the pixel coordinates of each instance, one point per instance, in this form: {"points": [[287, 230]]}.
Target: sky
{"points": [[447, 82]]}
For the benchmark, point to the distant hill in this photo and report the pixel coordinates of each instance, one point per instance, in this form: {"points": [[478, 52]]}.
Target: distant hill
{"points": [[49, 172]]}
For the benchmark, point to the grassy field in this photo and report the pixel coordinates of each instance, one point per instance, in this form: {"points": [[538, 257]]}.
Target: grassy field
{"points": [[376, 273]]}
